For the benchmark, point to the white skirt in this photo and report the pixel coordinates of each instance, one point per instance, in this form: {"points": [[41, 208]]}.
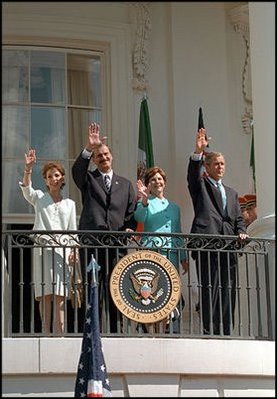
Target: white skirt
{"points": [[51, 271]]}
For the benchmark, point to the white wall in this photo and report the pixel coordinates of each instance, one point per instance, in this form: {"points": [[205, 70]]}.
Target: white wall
{"points": [[262, 20]]}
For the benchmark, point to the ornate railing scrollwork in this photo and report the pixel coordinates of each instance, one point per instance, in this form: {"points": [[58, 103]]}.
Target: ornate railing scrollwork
{"points": [[138, 240]]}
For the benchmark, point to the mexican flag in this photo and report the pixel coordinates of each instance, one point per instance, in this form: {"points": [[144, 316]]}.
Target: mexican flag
{"points": [[145, 148]]}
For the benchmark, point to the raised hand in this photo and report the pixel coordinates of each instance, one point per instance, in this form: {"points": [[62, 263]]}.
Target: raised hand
{"points": [[201, 141], [30, 159], [94, 139], [143, 191]]}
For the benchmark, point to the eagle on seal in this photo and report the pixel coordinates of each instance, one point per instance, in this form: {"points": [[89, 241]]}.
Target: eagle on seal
{"points": [[145, 288]]}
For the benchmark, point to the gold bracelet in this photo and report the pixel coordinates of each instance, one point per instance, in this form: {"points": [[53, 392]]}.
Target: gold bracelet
{"points": [[28, 172]]}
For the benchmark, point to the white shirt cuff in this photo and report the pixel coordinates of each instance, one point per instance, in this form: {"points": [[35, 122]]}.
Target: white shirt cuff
{"points": [[86, 154], [196, 157]]}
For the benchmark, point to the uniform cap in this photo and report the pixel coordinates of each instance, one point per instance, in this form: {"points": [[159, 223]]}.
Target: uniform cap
{"points": [[250, 199], [242, 202]]}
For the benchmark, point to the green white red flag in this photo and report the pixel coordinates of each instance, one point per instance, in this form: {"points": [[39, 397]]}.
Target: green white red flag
{"points": [[145, 147]]}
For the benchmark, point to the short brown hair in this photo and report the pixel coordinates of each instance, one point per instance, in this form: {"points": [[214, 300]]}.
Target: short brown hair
{"points": [[53, 165], [151, 172]]}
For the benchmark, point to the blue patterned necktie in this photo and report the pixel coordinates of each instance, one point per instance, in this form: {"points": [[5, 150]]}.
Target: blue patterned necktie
{"points": [[223, 194], [107, 182]]}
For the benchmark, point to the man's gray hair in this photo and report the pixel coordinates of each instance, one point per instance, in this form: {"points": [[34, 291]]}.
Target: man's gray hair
{"points": [[210, 155], [99, 146]]}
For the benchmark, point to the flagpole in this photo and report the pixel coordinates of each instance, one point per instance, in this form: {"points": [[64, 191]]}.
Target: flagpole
{"points": [[252, 161]]}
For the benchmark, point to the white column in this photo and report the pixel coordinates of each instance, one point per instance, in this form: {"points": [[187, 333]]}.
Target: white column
{"points": [[262, 55]]}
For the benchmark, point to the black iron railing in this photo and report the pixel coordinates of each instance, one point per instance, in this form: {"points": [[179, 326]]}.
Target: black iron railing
{"points": [[224, 273]]}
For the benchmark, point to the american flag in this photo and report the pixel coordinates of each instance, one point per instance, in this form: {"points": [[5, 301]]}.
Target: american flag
{"points": [[92, 379]]}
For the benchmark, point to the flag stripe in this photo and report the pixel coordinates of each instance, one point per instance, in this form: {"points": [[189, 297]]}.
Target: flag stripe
{"points": [[145, 148], [145, 135]]}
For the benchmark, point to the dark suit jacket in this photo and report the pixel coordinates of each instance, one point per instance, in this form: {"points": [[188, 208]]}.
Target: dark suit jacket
{"points": [[207, 204], [102, 210]]}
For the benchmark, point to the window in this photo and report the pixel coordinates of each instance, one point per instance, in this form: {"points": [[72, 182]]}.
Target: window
{"points": [[48, 99]]}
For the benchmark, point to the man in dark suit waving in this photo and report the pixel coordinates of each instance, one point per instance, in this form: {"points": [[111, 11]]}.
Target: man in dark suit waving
{"points": [[106, 206], [216, 211]]}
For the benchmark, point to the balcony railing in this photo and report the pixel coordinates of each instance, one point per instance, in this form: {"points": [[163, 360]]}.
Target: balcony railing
{"points": [[26, 252]]}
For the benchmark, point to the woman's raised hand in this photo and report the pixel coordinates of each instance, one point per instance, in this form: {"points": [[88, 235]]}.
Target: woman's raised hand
{"points": [[30, 158], [143, 191]]}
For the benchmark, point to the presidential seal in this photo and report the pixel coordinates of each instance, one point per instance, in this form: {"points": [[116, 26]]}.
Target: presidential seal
{"points": [[145, 286]]}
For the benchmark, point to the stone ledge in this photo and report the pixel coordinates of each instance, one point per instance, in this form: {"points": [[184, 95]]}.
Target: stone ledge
{"points": [[142, 356]]}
